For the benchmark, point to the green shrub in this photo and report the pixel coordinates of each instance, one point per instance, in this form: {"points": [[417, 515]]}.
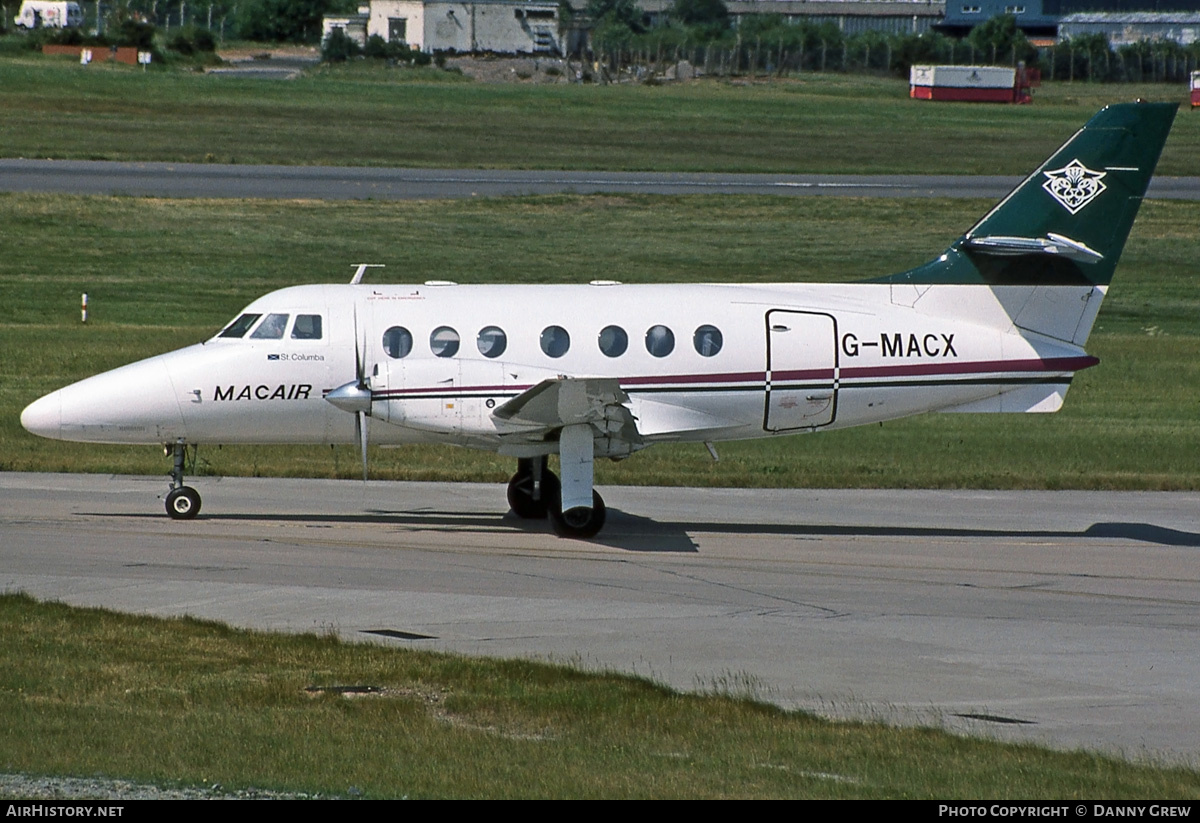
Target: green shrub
{"points": [[192, 40], [339, 47]]}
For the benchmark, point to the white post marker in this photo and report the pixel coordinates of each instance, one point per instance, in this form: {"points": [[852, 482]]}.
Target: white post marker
{"points": [[83, 309]]}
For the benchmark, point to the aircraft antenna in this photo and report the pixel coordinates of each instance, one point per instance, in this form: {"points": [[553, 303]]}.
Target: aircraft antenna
{"points": [[361, 269]]}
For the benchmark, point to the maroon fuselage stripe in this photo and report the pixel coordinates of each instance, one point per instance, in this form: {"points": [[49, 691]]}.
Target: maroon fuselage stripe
{"points": [[1053, 365]]}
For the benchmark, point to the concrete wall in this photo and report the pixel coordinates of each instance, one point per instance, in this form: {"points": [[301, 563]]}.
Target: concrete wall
{"points": [[499, 26], [355, 27]]}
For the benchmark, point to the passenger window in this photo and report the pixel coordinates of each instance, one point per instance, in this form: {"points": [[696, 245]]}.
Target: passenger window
{"points": [[308, 327], [271, 328], [444, 341], [239, 327], [555, 341], [397, 342], [492, 341], [660, 341], [707, 340], [613, 341]]}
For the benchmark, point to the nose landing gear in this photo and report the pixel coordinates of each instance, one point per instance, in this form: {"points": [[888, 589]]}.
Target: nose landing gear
{"points": [[183, 502]]}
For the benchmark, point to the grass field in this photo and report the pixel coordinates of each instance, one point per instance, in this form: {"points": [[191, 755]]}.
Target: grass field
{"points": [[165, 273], [182, 702], [358, 116], [86, 692]]}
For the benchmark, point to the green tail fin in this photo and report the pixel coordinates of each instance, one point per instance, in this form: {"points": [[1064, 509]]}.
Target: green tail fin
{"points": [[1067, 222]]}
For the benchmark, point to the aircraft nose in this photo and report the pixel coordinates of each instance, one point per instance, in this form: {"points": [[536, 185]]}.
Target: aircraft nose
{"points": [[133, 404], [43, 416]]}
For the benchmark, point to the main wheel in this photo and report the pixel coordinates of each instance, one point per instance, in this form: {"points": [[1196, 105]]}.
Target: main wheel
{"points": [[580, 522], [183, 503], [520, 495]]}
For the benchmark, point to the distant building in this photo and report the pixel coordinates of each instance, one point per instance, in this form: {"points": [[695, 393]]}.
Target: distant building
{"points": [[850, 16], [1123, 28], [515, 27], [1032, 18], [535, 27], [1043, 20], [500, 26], [354, 26]]}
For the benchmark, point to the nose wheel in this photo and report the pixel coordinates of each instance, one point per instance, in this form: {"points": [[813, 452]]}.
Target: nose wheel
{"points": [[183, 502]]}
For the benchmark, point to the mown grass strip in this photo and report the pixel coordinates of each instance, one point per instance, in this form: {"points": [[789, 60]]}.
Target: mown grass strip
{"points": [[360, 116], [86, 691]]}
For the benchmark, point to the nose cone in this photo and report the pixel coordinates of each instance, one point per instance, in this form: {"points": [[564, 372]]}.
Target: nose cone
{"points": [[133, 404], [43, 417]]}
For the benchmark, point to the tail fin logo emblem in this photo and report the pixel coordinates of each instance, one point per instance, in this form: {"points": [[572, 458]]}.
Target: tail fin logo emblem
{"points": [[1074, 185]]}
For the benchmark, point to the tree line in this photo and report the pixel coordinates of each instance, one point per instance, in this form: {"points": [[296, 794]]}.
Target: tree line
{"points": [[627, 47], [268, 21], [624, 46]]}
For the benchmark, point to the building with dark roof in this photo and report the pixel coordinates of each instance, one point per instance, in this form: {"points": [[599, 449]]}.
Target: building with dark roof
{"points": [[1041, 19]]}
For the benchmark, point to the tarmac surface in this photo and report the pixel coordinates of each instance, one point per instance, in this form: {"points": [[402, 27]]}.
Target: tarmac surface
{"points": [[1066, 618], [354, 183]]}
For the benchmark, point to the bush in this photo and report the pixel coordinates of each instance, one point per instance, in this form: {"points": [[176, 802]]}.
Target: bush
{"points": [[192, 40], [132, 33], [378, 48], [338, 47], [398, 53], [279, 21]]}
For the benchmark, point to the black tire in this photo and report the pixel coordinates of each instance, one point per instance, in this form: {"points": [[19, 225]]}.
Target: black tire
{"points": [[520, 495], [183, 503], [579, 523]]}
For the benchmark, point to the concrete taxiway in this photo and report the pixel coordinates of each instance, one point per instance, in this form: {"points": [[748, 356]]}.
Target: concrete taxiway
{"points": [[1070, 618], [99, 177]]}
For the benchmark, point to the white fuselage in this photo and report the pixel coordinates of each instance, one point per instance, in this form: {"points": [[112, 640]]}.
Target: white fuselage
{"points": [[746, 361]]}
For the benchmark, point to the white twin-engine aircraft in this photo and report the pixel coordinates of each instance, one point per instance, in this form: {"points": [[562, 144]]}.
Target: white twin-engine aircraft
{"points": [[995, 324]]}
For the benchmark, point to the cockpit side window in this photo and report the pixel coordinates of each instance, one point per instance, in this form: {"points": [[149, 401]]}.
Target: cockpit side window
{"points": [[239, 327], [271, 328], [307, 327]]}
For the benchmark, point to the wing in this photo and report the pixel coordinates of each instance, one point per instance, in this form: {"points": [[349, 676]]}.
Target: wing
{"points": [[540, 413]]}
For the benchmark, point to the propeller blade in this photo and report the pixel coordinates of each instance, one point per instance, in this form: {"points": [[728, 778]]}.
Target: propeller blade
{"points": [[356, 397], [358, 353], [360, 423]]}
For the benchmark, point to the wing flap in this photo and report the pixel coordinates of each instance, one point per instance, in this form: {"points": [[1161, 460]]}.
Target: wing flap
{"points": [[542, 411]]}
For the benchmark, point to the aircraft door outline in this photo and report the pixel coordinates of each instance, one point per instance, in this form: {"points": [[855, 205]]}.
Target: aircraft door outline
{"points": [[802, 370]]}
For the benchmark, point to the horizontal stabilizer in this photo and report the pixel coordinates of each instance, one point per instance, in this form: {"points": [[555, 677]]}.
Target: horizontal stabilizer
{"points": [[1003, 246]]}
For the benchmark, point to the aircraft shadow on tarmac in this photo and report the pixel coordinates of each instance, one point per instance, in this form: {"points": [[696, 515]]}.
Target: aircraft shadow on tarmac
{"points": [[636, 533]]}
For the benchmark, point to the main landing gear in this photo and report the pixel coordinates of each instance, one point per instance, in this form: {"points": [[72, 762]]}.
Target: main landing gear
{"points": [[535, 493], [183, 502]]}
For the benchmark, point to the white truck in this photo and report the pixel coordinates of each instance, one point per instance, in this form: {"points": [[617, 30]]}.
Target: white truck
{"points": [[49, 14]]}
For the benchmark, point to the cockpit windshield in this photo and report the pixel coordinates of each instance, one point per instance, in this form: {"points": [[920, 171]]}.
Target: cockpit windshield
{"points": [[239, 327], [273, 327]]}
